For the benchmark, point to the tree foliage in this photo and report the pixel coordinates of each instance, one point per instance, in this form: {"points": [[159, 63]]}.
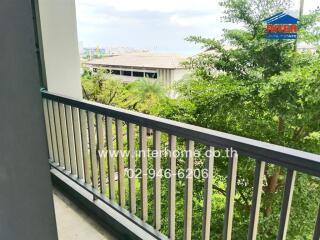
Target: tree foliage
{"points": [[266, 90], [257, 88], [143, 95]]}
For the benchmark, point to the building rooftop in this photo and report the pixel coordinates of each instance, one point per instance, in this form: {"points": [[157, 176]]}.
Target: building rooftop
{"points": [[142, 60]]}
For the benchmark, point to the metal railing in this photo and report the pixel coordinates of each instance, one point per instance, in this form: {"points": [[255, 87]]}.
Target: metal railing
{"points": [[78, 129]]}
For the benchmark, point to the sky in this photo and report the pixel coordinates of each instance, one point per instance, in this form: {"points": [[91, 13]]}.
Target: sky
{"points": [[154, 25]]}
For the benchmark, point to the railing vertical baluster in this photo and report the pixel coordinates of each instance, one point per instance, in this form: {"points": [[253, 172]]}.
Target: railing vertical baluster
{"points": [[207, 194], [71, 142], [316, 233], [93, 150], [58, 132], [100, 155], [48, 130], [110, 159], [230, 194], [132, 168], [256, 199], [157, 181], [188, 191], [84, 139], [77, 140], [53, 132], [286, 204], [144, 174], [64, 135], [172, 186], [121, 189]]}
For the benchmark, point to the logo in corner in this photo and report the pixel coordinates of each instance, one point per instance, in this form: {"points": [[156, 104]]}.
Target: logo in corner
{"points": [[281, 26]]}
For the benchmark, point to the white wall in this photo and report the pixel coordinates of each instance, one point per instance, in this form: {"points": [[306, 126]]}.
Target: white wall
{"points": [[60, 46], [165, 76], [169, 76], [178, 74]]}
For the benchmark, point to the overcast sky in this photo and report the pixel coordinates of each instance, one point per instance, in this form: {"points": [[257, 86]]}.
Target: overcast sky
{"points": [[155, 25]]}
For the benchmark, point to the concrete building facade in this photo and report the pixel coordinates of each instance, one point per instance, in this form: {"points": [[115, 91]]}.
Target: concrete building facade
{"points": [[129, 67]]}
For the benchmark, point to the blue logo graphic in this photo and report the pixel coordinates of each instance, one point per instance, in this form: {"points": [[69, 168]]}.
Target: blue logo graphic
{"points": [[281, 26]]}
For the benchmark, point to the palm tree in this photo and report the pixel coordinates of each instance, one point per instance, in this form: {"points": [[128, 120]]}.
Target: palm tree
{"points": [[147, 93]]}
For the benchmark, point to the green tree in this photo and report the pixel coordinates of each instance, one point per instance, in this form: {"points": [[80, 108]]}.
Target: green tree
{"points": [[147, 96], [262, 89], [143, 95], [103, 88], [256, 88]]}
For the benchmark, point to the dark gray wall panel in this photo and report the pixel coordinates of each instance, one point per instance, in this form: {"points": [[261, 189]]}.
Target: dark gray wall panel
{"points": [[26, 205]]}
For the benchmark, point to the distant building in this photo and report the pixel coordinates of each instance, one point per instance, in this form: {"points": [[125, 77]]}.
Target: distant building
{"points": [[305, 47], [130, 67], [123, 50], [93, 52]]}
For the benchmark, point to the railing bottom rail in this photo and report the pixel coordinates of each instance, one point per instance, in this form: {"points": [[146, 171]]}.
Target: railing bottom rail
{"points": [[122, 219]]}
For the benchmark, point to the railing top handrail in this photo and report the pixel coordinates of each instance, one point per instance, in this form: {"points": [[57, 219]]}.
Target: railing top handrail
{"points": [[287, 157]]}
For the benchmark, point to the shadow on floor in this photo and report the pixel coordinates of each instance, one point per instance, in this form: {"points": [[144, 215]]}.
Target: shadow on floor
{"points": [[75, 224]]}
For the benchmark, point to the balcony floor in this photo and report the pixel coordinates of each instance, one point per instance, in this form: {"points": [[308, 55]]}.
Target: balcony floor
{"points": [[74, 224]]}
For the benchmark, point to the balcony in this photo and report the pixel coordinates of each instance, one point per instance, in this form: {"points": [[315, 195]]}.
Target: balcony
{"points": [[69, 215], [97, 193], [131, 203]]}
